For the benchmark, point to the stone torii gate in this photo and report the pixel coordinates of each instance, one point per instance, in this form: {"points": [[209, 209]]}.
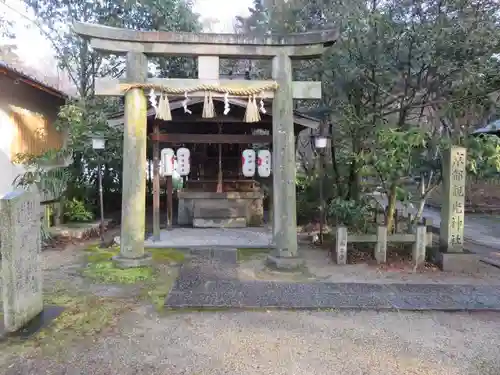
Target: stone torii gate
{"points": [[208, 48]]}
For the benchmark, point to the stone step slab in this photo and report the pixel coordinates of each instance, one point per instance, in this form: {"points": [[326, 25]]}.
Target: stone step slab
{"points": [[216, 209], [237, 222]]}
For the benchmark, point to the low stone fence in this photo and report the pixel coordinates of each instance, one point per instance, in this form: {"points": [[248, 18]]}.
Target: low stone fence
{"points": [[420, 240], [79, 231]]}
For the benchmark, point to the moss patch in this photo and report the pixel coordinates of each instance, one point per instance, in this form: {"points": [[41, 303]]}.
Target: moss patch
{"points": [[97, 257], [166, 256], [248, 254], [97, 249], [102, 269], [160, 255], [83, 316], [107, 272], [158, 291], [189, 310]]}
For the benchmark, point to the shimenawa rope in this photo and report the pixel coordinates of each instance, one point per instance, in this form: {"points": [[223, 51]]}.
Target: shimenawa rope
{"points": [[163, 108]]}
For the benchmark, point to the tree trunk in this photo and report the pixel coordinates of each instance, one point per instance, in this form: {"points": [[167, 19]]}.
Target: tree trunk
{"points": [[354, 183], [58, 212], [354, 176], [421, 205], [391, 208]]}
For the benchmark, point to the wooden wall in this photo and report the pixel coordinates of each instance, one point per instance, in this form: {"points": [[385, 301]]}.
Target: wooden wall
{"points": [[33, 133]]}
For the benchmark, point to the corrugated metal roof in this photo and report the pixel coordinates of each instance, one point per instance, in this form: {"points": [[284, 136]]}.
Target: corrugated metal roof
{"points": [[31, 78], [491, 128]]}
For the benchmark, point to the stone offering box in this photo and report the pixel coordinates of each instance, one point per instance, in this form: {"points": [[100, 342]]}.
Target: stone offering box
{"points": [[223, 210]]}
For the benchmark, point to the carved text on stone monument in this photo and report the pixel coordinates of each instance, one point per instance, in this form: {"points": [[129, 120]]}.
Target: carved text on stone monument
{"points": [[457, 190]]}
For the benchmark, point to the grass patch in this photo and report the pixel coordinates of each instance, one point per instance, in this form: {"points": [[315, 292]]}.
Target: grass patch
{"points": [[248, 254]]}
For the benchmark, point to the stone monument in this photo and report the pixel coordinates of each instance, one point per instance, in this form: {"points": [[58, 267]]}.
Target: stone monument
{"points": [[451, 238], [22, 292]]}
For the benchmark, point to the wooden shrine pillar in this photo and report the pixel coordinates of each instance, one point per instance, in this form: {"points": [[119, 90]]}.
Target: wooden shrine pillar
{"points": [[170, 201], [156, 184], [134, 167]]}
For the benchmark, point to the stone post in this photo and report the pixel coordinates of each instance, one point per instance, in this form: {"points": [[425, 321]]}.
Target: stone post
{"points": [[381, 245], [284, 200], [419, 246], [341, 245], [134, 168], [451, 236]]}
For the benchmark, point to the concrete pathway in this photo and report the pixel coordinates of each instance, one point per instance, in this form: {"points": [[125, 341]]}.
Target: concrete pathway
{"points": [[195, 237], [481, 232], [480, 229]]}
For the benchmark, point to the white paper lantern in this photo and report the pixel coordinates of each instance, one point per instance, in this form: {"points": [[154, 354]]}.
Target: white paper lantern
{"points": [[183, 161], [248, 163], [320, 142], [264, 163], [98, 143], [167, 162]]}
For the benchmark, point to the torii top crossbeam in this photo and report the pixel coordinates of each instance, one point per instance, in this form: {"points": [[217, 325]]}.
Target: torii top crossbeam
{"points": [[118, 40]]}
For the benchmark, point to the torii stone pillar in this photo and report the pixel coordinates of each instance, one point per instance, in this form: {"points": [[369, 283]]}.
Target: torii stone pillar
{"points": [[208, 48], [285, 254], [134, 167]]}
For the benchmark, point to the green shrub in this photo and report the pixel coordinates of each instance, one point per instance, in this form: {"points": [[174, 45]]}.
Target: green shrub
{"points": [[307, 199], [353, 214], [75, 210]]}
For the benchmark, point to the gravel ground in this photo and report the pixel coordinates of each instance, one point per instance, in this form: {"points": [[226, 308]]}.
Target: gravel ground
{"points": [[274, 342], [282, 343]]}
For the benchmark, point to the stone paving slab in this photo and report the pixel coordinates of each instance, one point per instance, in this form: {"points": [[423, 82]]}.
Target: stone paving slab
{"points": [[214, 284], [263, 294], [491, 261], [258, 237]]}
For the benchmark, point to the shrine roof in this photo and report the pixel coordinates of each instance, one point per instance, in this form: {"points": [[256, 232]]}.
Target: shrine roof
{"points": [[299, 118], [19, 74]]}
